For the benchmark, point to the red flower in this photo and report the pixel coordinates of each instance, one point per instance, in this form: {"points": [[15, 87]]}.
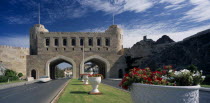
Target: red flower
{"points": [[149, 79], [159, 78], [164, 72]]}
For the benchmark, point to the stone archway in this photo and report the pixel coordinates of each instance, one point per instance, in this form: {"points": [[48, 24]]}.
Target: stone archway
{"points": [[58, 59], [102, 62]]}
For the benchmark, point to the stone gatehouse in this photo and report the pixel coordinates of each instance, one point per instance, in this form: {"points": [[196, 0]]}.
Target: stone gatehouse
{"points": [[48, 49]]}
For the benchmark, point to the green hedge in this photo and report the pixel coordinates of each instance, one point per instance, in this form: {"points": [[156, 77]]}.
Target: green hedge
{"points": [[20, 75], [3, 78], [9, 74]]}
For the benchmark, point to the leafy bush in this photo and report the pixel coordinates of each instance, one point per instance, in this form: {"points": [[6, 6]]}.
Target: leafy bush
{"points": [[3, 78], [13, 78], [20, 75], [10, 73], [192, 68]]}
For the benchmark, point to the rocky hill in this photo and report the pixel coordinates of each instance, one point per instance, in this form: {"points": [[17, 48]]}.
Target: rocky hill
{"points": [[192, 50], [164, 39]]}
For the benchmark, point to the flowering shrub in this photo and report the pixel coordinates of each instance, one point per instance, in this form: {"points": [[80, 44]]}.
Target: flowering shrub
{"points": [[167, 76], [96, 75]]}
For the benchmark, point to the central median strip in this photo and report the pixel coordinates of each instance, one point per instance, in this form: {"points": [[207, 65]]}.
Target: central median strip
{"points": [[76, 92], [55, 99]]}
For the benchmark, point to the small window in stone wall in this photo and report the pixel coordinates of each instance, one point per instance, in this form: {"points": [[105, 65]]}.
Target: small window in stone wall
{"points": [[47, 49], [98, 49], [73, 41], [81, 41], [64, 49], [107, 41], [90, 49], [90, 41], [56, 42], [56, 49], [73, 49], [81, 48], [98, 41], [64, 42], [107, 49], [47, 41]]}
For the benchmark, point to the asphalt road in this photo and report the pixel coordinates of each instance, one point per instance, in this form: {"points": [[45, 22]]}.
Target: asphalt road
{"points": [[32, 93], [204, 96]]}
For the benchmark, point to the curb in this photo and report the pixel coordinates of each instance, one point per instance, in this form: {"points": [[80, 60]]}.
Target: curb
{"points": [[55, 99], [5, 86], [204, 89]]}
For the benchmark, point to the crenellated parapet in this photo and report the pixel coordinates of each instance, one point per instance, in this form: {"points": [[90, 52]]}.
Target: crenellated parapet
{"points": [[11, 47], [14, 58]]}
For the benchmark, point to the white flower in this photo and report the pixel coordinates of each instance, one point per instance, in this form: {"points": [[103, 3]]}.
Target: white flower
{"points": [[177, 73], [171, 78], [170, 71], [163, 77], [201, 71], [203, 77], [196, 74], [185, 71]]}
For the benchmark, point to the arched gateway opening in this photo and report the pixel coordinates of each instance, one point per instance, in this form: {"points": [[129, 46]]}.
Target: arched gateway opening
{"points": [[98, 64], [59, 67]]}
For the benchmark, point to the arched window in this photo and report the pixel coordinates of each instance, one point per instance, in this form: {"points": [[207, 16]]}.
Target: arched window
{"points": [[90, 41], [56, 42], [73, 41], [47, 41], [107, 42], [81, 42], [98, 41], [64, 42]]}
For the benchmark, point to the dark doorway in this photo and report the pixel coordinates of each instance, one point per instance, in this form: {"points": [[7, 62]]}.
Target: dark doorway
{"points": [[120, 73], [33, 73], [59, 68]]}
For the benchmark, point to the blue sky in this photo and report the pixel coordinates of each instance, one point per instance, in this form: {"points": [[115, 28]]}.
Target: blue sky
{"points": [[154, 18]]}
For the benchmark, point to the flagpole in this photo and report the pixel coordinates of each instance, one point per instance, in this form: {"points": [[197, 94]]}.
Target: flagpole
{"points": [[83, 57], [39, 14]]}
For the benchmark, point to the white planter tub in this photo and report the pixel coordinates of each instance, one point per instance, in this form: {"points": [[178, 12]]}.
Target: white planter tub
{"points": [[85, 79], [145, 93], [94, 81]]}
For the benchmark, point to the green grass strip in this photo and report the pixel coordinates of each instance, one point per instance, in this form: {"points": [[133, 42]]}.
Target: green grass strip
{"points": [[76, 92]]}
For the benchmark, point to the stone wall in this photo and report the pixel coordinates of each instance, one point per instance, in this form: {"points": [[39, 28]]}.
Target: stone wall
{"points": [[39, 62], [14, 58]]}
